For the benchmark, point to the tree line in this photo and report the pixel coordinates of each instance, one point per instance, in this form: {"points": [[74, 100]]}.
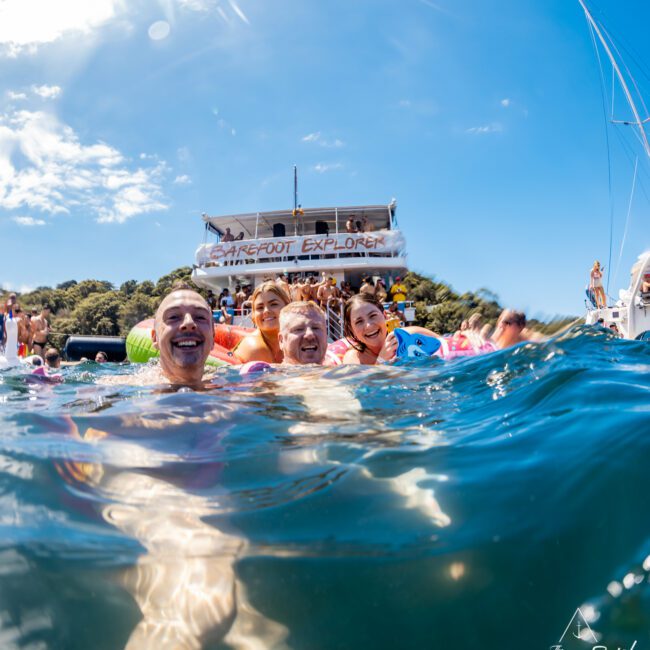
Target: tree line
{"points": [[96, 307]]}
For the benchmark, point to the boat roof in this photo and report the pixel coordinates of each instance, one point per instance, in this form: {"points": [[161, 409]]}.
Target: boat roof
{"points": [[377, 215]]}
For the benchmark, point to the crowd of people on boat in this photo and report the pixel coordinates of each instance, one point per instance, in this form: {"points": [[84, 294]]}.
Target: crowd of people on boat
{"points": [[323, 290]]}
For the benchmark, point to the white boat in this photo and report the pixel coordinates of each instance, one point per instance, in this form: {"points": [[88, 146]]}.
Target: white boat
{"points": [[253, 247], [631, 313]]}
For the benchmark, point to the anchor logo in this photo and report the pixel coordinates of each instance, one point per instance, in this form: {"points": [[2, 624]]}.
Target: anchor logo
{"points": [[578, 628]]}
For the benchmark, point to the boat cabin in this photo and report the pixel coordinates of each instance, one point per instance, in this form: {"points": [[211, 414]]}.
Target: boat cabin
{"points": [[346, 243]]}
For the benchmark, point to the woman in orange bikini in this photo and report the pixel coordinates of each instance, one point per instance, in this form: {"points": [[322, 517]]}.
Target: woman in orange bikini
{"points": [[262, 345]]}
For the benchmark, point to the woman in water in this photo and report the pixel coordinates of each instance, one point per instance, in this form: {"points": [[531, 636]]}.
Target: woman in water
{"points": [[367, 334], [262, 345], [596, 285]]}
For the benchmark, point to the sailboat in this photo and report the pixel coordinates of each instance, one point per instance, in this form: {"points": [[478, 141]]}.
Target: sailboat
{"points": [[631, 311]]}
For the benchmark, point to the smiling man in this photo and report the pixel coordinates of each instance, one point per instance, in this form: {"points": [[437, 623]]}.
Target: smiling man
{"points": [[184, 335], [303, 333]]}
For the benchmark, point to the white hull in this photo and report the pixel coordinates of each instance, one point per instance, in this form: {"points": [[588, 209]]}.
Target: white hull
{"points": [[631, 313]]}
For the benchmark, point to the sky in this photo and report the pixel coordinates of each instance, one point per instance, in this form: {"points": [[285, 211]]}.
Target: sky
{"points": [[122, 122]]}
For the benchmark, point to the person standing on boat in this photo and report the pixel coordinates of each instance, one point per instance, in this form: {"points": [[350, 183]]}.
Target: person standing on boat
{"points": [[398, 292], [380, 291], [596, 285], [367, 286]]}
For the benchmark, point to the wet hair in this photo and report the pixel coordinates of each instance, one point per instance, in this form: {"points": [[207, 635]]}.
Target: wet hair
{"points": [[514, 317], [303, 307], [103, 355], [271, 286], [46, 306], [355, 301], [52, 354]]}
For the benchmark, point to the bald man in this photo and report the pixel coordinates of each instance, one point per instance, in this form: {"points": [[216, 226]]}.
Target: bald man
{"points": [[303, 333], [184, 335]]}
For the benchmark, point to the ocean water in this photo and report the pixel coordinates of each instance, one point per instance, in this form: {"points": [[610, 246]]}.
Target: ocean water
{"points": [[476, 504]]}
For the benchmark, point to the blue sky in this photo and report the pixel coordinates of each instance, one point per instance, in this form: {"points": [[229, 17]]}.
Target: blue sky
{"points": [[121, 122]]}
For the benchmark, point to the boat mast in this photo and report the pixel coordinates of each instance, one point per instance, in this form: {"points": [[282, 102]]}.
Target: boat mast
{"points": [[639, 123]]}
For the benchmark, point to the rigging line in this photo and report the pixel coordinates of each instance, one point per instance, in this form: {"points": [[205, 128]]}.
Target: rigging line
{"points": [[630, 155], [631, 53], [629, 74], [619, 74], [627, 218], [613, 89], [609, 155]]}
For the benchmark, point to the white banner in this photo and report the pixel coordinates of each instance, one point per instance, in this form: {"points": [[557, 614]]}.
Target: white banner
{"points": [[382, 241]]}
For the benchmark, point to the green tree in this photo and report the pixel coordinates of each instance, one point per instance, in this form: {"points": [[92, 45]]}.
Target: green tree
{"points": [[182, 274], [99, 313], [134, 310], [128, 287]]}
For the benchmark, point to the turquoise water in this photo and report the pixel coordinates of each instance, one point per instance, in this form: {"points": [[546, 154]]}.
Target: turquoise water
{"points": [[471, 504]]}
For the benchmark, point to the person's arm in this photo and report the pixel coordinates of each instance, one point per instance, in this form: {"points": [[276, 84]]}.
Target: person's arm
{"points": [[351, 357], [389, 349], [252, 349]]}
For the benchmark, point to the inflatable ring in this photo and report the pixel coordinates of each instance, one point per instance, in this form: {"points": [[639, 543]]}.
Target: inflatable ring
{"points": [[140, 348]]}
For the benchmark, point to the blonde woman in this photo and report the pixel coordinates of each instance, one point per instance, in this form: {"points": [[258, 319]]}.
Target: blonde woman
{"points": [[262, 345], [596, 285]]}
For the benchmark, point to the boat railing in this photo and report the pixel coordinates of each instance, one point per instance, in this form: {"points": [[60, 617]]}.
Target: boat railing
{"points": [[294, 250], [334, 317]]}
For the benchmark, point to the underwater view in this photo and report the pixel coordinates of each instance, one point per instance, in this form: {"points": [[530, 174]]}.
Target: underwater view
{"points": [[478, 503]]}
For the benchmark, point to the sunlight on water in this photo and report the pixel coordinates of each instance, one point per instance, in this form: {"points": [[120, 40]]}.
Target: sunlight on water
{"points": [[422, 505]]}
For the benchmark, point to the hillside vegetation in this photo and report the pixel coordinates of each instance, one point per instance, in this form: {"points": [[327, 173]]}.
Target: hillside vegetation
{"points": [[96, 307]]}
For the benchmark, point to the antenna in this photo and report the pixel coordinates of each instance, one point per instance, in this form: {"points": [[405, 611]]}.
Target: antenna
{"points": [[297, 208], [639, 123], [295, 189]]}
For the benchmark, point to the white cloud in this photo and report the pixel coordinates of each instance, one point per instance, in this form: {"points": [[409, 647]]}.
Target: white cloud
{"points": [[321, 168], [505, 102], [183, 179], [15, 96], [44, 166], [47, 92], [18, 288], [28, 221], [495, 127], [207, 6], [196, 5], [26, 24], [318, 139]]}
